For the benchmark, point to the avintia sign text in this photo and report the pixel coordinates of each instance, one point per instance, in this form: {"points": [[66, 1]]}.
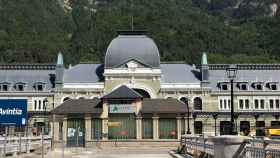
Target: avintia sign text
{"points": [[13, 112]]}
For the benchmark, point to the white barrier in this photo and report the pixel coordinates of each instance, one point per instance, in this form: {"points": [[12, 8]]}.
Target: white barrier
{"points": [[17, 145]]}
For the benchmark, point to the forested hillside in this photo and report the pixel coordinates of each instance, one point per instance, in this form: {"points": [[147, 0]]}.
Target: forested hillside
{"points": [[245, 31]]}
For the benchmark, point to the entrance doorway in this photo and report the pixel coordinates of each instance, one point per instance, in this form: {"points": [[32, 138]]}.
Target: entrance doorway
{"points": [[75, 133], [245, 127], [122, 126], [225, 127], [260, 128], [198, 127]]}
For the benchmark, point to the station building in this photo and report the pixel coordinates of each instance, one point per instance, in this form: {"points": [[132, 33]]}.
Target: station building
{"points": [[134, 96]]}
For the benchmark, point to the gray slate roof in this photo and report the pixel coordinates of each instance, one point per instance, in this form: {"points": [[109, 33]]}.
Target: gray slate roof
{"points": [[249, 75], [132, 47], [29, 75], [179, 73], [79, 106], [123, 92], [84, 73], [93, 73], [169, 105]]}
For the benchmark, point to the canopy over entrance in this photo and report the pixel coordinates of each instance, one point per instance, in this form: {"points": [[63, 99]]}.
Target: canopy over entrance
{"points": [[79, 106], [123, 92]]}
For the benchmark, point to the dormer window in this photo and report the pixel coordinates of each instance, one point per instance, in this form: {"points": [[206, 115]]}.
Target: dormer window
{"points": [[20, 86], [39, 86], [243, 86], [272, 86], [4, 86], [258, 85], [223, 86]]}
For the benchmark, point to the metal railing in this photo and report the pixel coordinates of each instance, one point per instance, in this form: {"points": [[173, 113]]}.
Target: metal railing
{"points": [[260, 148], [253, 147], [18, 145]]}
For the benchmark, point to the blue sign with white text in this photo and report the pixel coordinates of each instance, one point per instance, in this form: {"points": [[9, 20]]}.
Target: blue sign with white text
{"points": [[13, 112]]}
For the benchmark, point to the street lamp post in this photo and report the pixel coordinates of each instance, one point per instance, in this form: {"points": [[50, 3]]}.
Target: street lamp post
{"points": [[231, 74]]}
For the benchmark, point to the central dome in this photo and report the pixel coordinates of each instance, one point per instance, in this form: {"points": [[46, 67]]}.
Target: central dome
{"points": [[131, 46]]}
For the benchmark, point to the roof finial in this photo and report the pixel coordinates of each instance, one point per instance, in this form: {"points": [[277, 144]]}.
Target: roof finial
{"points": [[59, 59], [204, 59]]}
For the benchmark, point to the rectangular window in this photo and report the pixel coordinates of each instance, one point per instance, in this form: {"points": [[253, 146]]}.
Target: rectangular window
{"points": [[96, 128], [262, 104], [277, 106], [167, 128], [256, 104], [39, 105], [221, 104], [271, 103], [241, 104], [44, 105], [229, 104], [147, 128], [247, 104], [225, 104], [35, 104]]}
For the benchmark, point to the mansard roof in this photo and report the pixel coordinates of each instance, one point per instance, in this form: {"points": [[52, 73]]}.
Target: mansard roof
{"points": [[84, 73], [249, 73], [29, 74], [179, 73]]}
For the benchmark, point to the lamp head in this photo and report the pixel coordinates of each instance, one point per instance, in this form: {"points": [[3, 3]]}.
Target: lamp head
{"points": [[231, 71]]}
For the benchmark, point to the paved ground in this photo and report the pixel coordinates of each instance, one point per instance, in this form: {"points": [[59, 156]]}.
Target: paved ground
{"points": [[115, 152]]}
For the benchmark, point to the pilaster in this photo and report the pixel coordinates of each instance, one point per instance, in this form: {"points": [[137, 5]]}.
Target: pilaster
{"points": [[179, 127], [55, 128], [87, 128], [155, 127], [105, 128], [64, 127], [139, 127]]}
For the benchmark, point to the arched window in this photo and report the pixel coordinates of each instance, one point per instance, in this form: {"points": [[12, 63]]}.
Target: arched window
{"points": [[67, 98], [184, 100], [197, 102], [142, 92]]}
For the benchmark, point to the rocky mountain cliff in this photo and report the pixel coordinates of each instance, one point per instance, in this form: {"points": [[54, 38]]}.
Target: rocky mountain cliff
{"points": [[241, 8]]}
